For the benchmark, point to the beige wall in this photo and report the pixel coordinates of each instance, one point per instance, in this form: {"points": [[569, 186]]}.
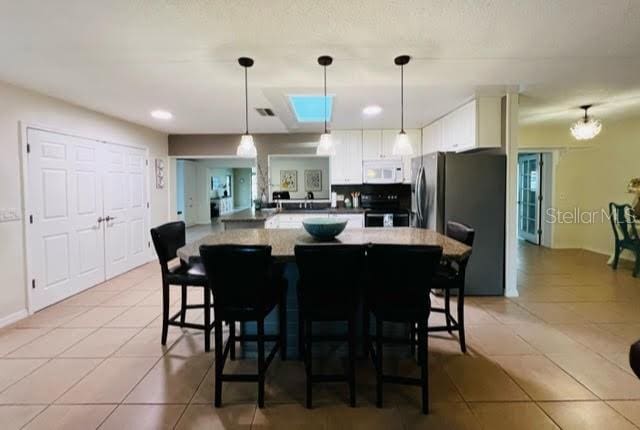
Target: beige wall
{"points": [[19, 105], [300, 165], [588, 176]]}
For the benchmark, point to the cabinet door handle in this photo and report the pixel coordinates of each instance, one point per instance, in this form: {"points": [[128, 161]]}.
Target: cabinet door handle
{"points": [[100, 219]]}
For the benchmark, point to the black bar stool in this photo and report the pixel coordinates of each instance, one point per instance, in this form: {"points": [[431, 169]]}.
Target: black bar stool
{"points": [[330, 280], [396, 293], [246, 288], [167, 238], [451, 276]]}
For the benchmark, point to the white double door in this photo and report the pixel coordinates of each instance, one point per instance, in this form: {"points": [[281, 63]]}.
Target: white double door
{"points": [[87, 213]]}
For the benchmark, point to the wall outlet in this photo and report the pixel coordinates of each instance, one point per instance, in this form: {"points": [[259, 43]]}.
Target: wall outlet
{"points": [[7, 215]]}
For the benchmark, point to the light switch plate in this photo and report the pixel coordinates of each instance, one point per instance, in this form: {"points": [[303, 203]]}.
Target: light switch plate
{"points": [[7, 215]]}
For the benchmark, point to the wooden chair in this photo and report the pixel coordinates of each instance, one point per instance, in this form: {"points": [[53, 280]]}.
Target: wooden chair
{"points": [[167, 238], [625, 233], [451, 276], [396, 293], [330, 281], [246, 289]]}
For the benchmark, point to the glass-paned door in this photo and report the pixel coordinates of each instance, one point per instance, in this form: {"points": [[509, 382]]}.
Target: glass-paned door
{"points": [[528, 193]]}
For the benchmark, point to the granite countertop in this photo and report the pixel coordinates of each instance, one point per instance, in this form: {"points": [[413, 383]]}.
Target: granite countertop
{"points": [[248, 215], [283, 241]]}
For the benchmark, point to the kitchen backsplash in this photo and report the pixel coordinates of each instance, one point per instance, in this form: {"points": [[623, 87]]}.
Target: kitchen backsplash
{"points": [[402, 190]]}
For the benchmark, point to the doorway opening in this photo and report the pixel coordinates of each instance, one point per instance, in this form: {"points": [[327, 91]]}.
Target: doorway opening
{"points": [[534, 197], [208, 188]]}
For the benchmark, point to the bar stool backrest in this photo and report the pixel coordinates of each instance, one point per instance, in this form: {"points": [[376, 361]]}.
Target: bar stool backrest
{"points": [[241, 275], [167, 238], [330, 273], [400, 275]]}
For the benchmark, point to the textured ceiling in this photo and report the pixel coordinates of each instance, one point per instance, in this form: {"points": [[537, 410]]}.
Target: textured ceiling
{"points": [[127, 57]]}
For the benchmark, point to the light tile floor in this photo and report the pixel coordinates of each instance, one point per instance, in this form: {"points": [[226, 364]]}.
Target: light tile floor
{"points": [[555, 357]]}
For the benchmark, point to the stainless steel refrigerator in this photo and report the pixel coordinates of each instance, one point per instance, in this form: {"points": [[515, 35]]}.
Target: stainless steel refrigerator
{"points": [[468, 188]]}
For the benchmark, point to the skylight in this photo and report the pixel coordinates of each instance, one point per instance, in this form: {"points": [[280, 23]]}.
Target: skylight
{"points": [[311, 108]]}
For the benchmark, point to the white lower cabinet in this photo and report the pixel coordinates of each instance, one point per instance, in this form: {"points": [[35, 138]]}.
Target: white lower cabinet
{"points": [[354, 220], [295, 220]]}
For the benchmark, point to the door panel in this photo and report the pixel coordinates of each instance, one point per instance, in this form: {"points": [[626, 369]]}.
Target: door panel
{"points": [[124, 207], [66, 242], [528, 191]]}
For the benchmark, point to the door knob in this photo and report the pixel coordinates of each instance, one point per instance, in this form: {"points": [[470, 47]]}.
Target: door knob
{"points": [[100, 219], [109, 218]]}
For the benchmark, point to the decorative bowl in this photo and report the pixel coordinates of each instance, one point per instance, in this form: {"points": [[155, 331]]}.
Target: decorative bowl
{"points": [[324, 228]]}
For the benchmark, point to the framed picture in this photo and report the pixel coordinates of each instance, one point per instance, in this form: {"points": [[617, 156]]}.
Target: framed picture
{"points": [[288, 180], [313, 180]]}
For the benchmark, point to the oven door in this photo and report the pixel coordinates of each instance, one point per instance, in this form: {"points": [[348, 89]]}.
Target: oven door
{"points": [[380, 219], [401, 219], [374, 219]]}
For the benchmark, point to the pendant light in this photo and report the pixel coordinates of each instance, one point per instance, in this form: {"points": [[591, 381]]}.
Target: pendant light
{"points": [[402, 147], [587, 127], [246, 149], [326, 146]]}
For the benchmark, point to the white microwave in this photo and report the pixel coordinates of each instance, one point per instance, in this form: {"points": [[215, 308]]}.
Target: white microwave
{"points": [[382, 172]]}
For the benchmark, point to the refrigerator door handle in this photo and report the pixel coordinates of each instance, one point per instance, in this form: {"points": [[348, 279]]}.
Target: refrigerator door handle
{"points": [[419, 195]]}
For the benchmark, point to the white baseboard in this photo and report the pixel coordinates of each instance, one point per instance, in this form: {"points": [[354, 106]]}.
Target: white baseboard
{"points": [[16, 316]]}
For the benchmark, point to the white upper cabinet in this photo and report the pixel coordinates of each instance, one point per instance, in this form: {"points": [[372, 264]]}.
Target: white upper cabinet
{"points": [[475, 125], [346, 164], [371, 144], [388, 139], [354, 146]]}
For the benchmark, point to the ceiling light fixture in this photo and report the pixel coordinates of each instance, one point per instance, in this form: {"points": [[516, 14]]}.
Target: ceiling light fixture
{"points": [[326, 146], [246, 149], [402, 147], [161, 114], [587, 127], [372, 110]]}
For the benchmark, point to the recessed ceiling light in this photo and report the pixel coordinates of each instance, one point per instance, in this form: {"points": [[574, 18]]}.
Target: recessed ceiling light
{"points": [[372, 110], [161, 114]]}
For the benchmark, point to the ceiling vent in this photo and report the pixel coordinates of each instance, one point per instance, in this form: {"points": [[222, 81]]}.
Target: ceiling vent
{"points": [[265, 112]]}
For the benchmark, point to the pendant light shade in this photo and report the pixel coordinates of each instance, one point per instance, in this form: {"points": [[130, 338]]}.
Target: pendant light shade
{"points": [[246, 149], [587, 127], [402, 146], [326, 146]]}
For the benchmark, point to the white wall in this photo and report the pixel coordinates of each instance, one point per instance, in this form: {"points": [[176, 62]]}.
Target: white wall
{"points": [[19, 105], [300, 164]]}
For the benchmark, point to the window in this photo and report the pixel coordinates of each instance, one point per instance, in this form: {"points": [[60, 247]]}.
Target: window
{"points": [[308, 108]]}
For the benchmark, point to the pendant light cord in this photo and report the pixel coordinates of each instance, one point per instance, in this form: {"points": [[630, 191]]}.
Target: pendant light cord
{"points": [[246, 103], [402, 98], [325, 99]]}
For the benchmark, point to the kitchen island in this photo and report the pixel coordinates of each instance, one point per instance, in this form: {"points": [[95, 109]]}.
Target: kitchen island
{"points": [[283, 242]]}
